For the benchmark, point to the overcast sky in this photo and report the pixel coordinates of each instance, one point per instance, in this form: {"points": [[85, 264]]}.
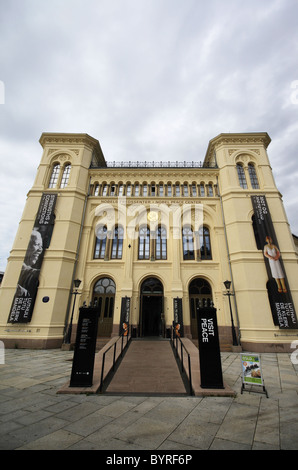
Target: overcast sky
{"points": [[150, 79]]}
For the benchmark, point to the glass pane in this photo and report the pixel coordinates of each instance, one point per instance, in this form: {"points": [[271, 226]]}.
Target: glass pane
{"points": [[106, 307], [111, 309], [65, 176]]}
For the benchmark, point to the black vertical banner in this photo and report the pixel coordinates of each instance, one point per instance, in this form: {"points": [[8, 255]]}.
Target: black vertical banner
{"points": [[209, 349], [178, 317], [85, 347], [26, 291], [124, 316], [280, 298]]}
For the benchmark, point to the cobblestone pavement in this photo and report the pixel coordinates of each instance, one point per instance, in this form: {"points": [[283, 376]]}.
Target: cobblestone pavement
{"points": [[34, 417]]}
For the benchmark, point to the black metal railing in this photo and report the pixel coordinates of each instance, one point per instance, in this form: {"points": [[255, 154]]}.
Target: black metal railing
{"points": [[125, 337], [177, 345], [154, 164]]}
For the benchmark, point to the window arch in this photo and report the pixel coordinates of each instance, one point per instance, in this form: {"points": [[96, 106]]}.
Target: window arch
{"points": [[128, 189], [161, 243], [144, 242], [188, 243], [117, 243], [96, 189], [105, 285], [253, 176], [169, 189], [101, 243], [54, 176], [105, 189], [160, 189], [241, 176], [210, 190], [137, 189], [65, 175], [204, 243]]}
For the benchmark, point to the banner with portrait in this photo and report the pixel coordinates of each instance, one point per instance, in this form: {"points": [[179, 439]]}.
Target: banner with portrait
{"points": [[178, 317], [26, 291], [280, 298]]}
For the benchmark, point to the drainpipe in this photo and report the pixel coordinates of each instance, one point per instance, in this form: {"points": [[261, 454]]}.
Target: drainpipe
{"points": [[229, 260], [75, 263]]}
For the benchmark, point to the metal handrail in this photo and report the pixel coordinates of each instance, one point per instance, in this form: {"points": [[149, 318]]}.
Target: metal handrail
{"points": [[121, 337], [174, 339]]}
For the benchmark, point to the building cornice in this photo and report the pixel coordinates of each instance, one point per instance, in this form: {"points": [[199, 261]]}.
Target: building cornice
{"points": [[238, 139], [68, 139]]}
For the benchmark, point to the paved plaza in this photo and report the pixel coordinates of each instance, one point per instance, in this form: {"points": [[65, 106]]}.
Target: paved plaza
{"points": [[34, 417]]}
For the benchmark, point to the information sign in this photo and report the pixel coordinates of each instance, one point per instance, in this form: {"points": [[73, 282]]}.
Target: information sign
{"points": [[84, 354], [251, 371]]}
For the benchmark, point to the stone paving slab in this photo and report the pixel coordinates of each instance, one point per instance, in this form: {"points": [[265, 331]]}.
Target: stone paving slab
{"points": [[33, 416]]}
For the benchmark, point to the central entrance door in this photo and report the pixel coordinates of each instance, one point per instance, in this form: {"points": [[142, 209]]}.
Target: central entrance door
{"points": [[151, 308]]}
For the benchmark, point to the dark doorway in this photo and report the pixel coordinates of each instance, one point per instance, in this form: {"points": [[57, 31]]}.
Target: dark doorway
{"points": [[151, 312], [151, 308]]}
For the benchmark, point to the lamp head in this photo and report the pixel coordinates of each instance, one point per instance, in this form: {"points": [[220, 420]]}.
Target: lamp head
{"points": [[77, 283], [227, 284]]}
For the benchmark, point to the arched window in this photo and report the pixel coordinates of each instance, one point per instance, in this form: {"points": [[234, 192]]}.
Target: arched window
{"points": [[144, 243], [54, 175], [65, 176], [101, 243], [105, 189], [241, 176], [137, 189], [128, 189], [161, 243], [253, 176], [202, 189], [210, 189], [96, 189], [188, 243], [205, 244], [117, 243], [145, 189]]}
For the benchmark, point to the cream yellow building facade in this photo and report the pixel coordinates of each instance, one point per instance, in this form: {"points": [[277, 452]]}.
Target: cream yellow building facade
{"points": [[152, 244]]}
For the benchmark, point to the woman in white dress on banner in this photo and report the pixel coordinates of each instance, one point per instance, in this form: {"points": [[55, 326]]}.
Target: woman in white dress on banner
{"points": [[273, 254]]}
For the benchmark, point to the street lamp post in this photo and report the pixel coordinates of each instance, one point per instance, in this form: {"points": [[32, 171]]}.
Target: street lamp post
{"points": [[229, 293], [77, 283]]}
